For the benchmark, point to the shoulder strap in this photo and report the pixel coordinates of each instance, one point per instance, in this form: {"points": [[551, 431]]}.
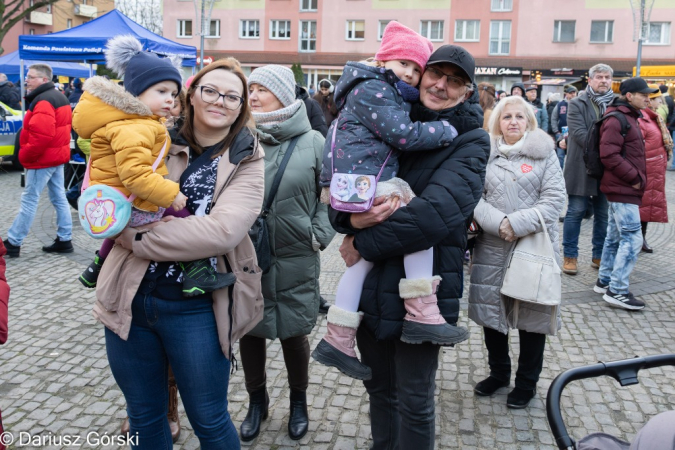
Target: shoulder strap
{"points": [[625, 126], [279, 174], [132, 197]]}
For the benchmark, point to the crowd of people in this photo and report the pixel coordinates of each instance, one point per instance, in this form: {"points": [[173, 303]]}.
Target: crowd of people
{"points": [[405, 155]]}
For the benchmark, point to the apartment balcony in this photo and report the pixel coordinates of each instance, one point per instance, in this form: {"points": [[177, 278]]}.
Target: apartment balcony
{"points": [[40, 18], [86, 11]]}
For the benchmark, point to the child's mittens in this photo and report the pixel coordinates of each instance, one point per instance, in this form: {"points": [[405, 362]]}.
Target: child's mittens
{"points": [[409, 93], [452, 131]]}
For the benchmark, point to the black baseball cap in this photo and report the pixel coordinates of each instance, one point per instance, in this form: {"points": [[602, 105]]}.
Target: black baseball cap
{"points": [[531, 88], [636, 85], [454, 54], [569, 89]]}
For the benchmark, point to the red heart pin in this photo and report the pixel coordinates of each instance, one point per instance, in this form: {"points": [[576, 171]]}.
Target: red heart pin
{"points": [[526, 168]]}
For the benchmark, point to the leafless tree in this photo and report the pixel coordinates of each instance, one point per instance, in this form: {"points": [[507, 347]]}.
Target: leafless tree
{"points": [[147, 13], [12, 11]]}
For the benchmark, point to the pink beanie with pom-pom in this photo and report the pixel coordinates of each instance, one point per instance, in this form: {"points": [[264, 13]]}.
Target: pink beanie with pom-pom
{"points": [[400, 42]]}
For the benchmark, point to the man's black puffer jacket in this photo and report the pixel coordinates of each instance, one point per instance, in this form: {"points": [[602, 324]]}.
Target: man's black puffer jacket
{"points": [[448, 183]]}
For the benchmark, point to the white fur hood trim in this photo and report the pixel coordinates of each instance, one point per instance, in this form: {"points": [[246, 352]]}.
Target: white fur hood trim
{"points": [[116, 96], [538, 145]]}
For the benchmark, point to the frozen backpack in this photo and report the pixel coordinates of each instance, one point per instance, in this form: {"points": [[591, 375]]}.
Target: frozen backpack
{"points": [[103, 210]]}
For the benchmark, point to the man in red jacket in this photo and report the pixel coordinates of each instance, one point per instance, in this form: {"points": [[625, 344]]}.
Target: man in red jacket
{"points": [[623, 182], [45, 148], [4, 299]]}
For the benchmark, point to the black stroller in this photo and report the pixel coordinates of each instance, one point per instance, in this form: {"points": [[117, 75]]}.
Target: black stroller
{"points": [[658, 434]]}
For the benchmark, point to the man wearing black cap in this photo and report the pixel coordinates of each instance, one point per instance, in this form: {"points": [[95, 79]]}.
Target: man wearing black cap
{"points": [[559, 120], [539, 109], [623, 182], [448, 183]]}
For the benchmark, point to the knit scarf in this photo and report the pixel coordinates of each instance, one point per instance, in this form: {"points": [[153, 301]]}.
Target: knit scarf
{"points": [[278, 116], [602, 100]]}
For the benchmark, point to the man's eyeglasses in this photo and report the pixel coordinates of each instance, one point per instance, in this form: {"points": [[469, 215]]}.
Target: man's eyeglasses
{"points": [[453, 81], [210, 95]]}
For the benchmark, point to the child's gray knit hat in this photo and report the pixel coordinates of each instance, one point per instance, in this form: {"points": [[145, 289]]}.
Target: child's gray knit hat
{"points": [[278, 79]]}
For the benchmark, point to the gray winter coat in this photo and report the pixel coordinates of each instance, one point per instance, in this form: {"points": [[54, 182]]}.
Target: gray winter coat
{"points": [[514, 185], [298, 228], [581, 114], [374, 119]]}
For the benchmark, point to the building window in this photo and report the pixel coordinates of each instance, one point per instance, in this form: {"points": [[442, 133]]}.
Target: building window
{"points": [[432, 29], [249, 29], [184, 28], [49, 11], [308, 5], [307, 36], [355, 30], [69, 23], [467, 30], [280, 29], [563, 30], [502, 5], [213, 31], [601, 31], [381, 25], [658, 33], [31, 31], [500, 37]]}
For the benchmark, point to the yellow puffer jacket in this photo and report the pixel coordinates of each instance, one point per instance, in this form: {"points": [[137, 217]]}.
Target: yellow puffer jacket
{"points": [[126, 139]]}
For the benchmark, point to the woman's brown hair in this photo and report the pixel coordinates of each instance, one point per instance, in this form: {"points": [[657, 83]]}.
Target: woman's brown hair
{"points": [[244, 120], [486, 96]]}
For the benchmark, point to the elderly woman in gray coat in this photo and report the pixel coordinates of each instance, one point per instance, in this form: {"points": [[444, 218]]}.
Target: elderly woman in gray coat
{"points": [[523, 173]]}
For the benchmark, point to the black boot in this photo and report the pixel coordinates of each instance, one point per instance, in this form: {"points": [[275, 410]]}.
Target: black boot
{"points": [[89, 277], [298, 420], [258, 408], [200, 277], [13, 251], [59, 246], [645, 246]]}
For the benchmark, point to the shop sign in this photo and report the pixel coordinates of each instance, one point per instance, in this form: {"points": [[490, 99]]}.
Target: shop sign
{"points": [[655, 71], [499, 71]]}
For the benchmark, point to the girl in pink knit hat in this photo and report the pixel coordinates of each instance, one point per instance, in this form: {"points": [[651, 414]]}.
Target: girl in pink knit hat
{"points": [[374, 98]]}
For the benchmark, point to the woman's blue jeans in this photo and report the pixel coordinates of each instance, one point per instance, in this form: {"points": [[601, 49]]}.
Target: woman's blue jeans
{"points": [[181, 333]]}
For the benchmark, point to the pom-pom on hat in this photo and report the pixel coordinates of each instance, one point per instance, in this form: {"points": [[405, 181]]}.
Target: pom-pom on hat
{"points": [[278, 79], [400, 42], [124, 55]]}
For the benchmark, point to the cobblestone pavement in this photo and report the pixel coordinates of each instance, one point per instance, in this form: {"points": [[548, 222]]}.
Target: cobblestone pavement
{"points": [[55, 380]]}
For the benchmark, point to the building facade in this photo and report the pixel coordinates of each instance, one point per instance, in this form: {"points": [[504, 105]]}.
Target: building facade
{"points": [[551, 41], [59, 16]]}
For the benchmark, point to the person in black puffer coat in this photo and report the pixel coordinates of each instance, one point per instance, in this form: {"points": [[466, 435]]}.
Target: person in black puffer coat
{"points": [[448, 183], [314, 113], [8, 94]]}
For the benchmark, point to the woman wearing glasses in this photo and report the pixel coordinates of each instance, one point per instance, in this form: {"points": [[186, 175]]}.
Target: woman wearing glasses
{"points": [[149, 324], [298, 228]]}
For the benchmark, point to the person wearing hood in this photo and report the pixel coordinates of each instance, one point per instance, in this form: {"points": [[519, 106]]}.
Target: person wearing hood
{"points": [[448, 183], [624, 181], [518, 89], [8, 94], [314, 113], [76, 93], [298, 229], [539, 108]]}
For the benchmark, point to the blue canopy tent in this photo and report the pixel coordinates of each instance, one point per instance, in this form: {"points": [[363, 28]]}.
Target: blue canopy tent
{"points": [[87, 41], [10, 66]]}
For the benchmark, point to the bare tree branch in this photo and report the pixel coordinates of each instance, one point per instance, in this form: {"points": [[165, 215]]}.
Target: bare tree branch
{"points": [[6, 19]]}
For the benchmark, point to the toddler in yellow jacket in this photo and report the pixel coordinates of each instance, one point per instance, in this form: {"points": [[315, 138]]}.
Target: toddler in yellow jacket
{"points": [[129, 143]]}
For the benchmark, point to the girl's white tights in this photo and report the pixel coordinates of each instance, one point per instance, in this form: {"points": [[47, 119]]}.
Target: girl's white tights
{"points": [[417, 265]]}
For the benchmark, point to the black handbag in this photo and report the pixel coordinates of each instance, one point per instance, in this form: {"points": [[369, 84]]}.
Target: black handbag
{"points": [[258, 232]]}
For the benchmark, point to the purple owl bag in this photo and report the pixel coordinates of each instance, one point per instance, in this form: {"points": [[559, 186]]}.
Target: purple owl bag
{"points": [[351, 192]]}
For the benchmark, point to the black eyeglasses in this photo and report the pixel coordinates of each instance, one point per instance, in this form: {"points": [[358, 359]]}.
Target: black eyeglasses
{"points": [[452, 80], [210, 95]]}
